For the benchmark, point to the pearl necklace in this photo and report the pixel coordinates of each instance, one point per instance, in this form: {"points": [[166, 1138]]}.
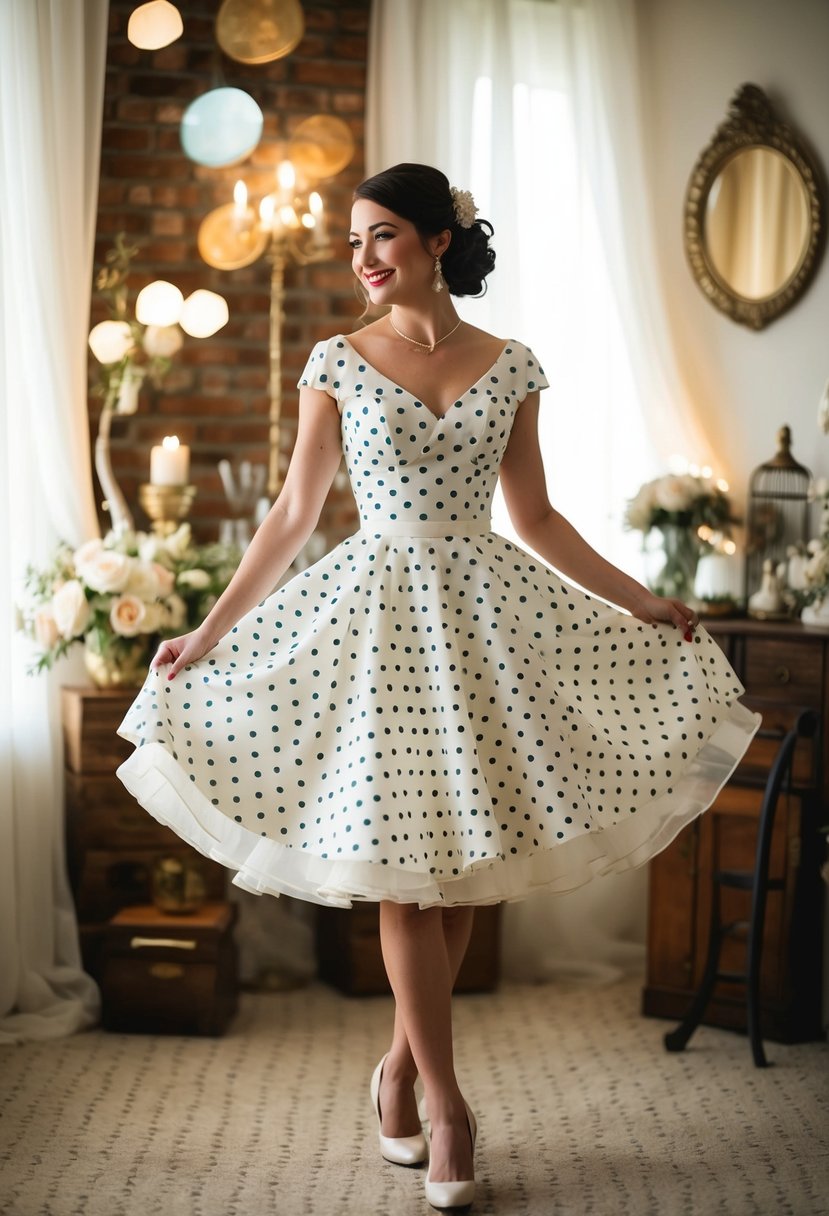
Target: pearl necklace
{"points": [[427, 346]]}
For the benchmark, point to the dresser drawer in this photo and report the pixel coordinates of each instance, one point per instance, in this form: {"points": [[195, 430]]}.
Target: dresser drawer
{"points": [[778, 719], [102, 815], [783, 671]]}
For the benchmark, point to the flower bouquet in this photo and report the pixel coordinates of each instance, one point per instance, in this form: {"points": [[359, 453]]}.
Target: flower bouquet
{"points": [[120, 596], [691, 511]]}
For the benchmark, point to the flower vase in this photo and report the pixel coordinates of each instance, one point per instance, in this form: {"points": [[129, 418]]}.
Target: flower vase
{"points": [[680, 551], [122, 663]]}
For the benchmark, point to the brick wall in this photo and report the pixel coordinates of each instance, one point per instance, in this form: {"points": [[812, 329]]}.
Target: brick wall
{"points": [[216, 396]]}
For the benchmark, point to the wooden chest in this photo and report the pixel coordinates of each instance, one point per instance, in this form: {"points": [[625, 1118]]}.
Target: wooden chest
{"points": [[111, 841], [165, 974], [784, 668], [350, 957]]}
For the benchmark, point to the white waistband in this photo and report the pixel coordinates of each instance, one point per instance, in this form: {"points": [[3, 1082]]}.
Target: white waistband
{"points": [[428, 527]]}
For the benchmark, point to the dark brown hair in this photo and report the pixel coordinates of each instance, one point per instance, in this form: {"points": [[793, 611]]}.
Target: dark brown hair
{"points": [[421, 195]]}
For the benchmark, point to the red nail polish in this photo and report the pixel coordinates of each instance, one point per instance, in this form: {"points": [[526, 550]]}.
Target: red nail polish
{"points": [[689, 637]]}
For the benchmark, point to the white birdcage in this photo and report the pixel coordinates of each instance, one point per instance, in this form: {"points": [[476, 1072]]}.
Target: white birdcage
{"points": [[778, 510]]}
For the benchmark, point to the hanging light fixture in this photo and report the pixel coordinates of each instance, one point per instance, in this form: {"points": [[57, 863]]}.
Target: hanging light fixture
{"points": [[110, 341], [321, 146], [258, 31], [203, 314], [159, 303], [154, 25], [221, 127]]}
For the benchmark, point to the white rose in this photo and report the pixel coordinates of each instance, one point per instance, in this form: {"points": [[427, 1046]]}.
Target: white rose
{"points": [[143, 582], [640, 509], [149, 580], [127, 615], [673, 494], [105, 571], [71, 609], [153, 619], [162, 341], [199, 580], [87, 553], [176, 610], [47, 633], [178, 542], [149, 547]]}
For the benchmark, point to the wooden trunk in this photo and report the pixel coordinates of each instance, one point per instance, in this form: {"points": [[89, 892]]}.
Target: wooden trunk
{"points": [[164, 974]]}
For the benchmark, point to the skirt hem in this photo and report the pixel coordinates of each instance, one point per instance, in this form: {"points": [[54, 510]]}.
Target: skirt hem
{"points": [[263, 866]]}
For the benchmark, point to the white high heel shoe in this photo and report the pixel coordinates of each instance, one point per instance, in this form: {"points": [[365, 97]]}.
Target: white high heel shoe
{"points": [[400, 1150], [442, 1195]]}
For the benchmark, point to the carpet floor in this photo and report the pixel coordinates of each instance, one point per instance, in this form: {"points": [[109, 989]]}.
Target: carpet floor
{"points": [[581, 1111]]}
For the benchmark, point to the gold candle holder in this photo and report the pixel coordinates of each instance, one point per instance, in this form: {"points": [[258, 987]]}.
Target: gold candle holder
{"points": [[166, 506]]}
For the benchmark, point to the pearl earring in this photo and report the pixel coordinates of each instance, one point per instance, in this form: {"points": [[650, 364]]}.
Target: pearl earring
{"points": [[437, 282]]}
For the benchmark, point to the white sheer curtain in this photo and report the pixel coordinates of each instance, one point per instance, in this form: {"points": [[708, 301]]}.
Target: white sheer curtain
{"points": [[52, 60], [533, 105]]}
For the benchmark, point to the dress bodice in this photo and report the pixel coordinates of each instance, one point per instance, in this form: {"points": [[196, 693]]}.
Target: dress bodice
{"points": [[405, 462]]}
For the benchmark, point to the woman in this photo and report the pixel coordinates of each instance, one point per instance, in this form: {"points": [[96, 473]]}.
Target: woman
{"points": [[428, 717]]}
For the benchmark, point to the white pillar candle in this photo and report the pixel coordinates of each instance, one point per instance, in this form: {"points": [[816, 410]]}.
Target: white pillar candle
{"points": [[718, 577], [170, 463]]}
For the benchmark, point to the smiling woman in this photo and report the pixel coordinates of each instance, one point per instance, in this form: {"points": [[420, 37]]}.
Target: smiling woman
{"points": [[429, 718]]}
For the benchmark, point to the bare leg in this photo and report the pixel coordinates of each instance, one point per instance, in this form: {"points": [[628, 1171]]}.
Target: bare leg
{"points": [[397, 1100], [417, 962]]}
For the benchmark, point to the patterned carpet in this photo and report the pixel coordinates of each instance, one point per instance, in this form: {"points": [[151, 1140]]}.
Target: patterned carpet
{"points": [[581, 1111]]}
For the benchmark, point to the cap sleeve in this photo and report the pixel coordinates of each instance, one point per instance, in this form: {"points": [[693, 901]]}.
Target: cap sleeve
{"points": [[321, 371], [532, 377]]}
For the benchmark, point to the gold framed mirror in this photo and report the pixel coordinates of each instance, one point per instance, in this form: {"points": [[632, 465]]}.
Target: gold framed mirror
{"points": [[754, 214]]}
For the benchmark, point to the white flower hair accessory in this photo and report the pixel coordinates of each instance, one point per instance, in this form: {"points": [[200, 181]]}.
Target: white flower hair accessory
{"points": [[464, 206]]}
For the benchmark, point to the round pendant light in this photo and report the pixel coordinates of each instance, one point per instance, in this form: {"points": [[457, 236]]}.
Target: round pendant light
{"points": [[321, 146], [159, 303], [221, 127], [203, 314], [257, 31], [154, 25]]}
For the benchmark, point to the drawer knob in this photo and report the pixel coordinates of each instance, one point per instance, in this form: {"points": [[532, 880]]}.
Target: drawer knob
{"points": [[782, 674], [167, 971]]}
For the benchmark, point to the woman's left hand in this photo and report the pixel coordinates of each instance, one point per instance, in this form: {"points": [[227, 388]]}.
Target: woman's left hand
{"points": [[654, 608]]}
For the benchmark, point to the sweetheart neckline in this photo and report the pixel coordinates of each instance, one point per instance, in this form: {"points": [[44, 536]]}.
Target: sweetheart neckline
{"points": [[458, 400]]}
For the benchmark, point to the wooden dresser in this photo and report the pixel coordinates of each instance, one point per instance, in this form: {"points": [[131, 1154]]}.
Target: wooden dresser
{"points": [[785, 668], [112, 842]]}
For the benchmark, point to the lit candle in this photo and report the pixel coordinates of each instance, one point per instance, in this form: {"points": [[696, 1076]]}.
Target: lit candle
{"points": [[315, 205], [267, 211], [240, 204], [286, 176], [170, 463]]}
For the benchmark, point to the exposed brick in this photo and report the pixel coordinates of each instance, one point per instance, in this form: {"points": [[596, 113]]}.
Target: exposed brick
{"points": [[336, 73], [170, 112], [167, 223], [131, 139], [134, 109], [216, 395]]}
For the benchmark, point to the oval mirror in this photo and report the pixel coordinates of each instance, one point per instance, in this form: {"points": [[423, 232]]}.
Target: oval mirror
{"points": [[753, 214]]}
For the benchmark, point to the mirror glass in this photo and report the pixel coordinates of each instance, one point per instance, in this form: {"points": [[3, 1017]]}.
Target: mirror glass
{"points": [[754, 218], [756, 228]]}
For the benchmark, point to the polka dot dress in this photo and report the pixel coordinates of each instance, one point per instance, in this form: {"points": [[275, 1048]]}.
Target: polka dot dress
{"points": [[429, 714]]}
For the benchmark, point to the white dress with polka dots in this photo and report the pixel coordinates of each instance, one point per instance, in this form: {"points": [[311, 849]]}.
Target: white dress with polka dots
{"points": [[429, 714]]}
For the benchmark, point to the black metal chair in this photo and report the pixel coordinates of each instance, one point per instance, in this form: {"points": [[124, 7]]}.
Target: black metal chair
{"points": [[758, 882]]}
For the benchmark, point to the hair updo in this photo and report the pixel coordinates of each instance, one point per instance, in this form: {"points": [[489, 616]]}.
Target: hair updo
{"points": [[421, 195]]}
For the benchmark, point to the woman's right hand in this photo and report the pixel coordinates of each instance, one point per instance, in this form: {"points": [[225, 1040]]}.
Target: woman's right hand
{"points": [[181, 652]]}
